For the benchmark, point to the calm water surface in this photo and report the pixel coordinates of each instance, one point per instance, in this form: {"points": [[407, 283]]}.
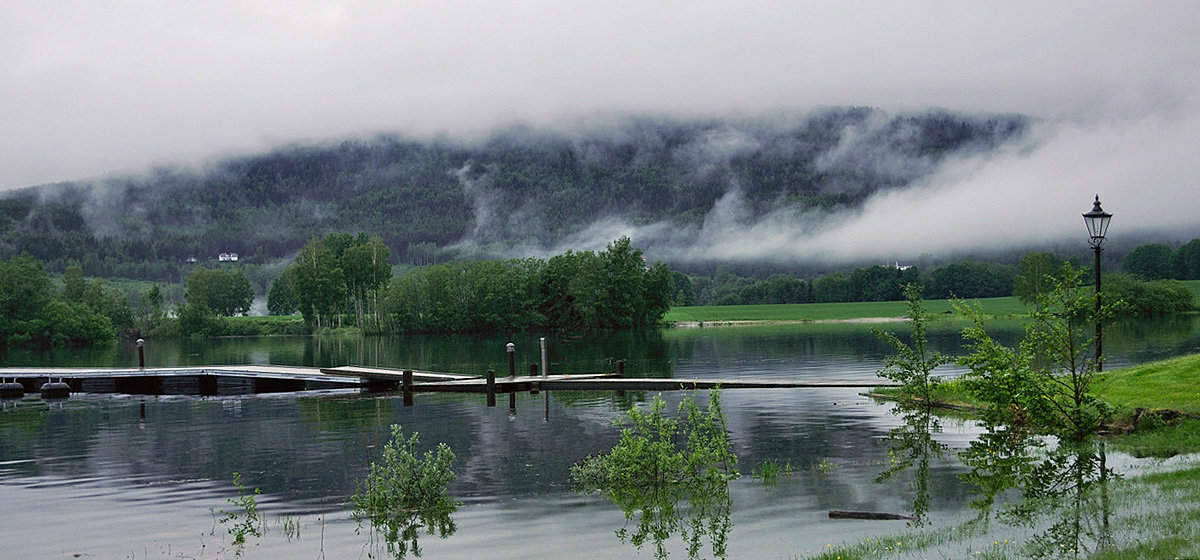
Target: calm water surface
{"points": [[91, 477]]}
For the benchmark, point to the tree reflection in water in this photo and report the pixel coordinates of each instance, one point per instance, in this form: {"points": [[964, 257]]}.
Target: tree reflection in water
{"points": [[672, 476], [1057, 493], [1068, 488], [911, 445], [401, 529]]}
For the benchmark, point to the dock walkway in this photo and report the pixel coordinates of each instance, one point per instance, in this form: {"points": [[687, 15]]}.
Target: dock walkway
{"points": [[243, 379]]}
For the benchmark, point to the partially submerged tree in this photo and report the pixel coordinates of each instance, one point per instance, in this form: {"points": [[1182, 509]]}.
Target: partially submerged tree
{"points": [[1048, 379], [406, 492], [912, 365], [673, 475]]}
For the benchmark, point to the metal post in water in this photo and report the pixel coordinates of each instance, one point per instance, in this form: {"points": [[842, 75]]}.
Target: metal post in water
{"points": [[545, 368], [141, 344], [491, 387]]}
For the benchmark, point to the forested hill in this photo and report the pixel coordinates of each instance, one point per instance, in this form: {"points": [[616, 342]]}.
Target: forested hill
{"points": [[516, 186]]}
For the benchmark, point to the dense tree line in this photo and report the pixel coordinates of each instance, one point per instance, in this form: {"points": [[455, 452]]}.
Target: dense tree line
{"points": [[517, 185], [610, 289], [34, 312], [969, 279], [1157, 261], [870, 283]]}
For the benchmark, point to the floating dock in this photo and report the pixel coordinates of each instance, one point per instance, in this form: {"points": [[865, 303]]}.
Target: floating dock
{"points": [[247, 379], [196, 380]]}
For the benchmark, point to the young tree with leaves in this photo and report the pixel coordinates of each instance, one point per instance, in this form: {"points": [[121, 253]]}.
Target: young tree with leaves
{"points": [[912, 365]]}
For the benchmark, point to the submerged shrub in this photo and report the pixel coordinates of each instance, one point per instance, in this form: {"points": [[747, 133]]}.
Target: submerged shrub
{"points": [[405, 492], [673, 475]]}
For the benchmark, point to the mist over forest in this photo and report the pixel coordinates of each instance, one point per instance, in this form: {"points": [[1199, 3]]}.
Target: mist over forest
{"points": [[671, 184]]}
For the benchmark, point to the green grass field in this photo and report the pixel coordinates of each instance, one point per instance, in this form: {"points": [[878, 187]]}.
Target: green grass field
{"points": [[998, 307], [1173, 383], [798, 312]]}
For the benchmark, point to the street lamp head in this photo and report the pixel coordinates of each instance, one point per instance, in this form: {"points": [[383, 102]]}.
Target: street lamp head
{"points": [[1097, 223]]}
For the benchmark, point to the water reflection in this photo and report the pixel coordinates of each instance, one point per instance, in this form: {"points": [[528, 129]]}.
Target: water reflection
{"points": [[401, 530], [1065, 501], [692, 511], [672, 476], [999, 459], [910, 447]]}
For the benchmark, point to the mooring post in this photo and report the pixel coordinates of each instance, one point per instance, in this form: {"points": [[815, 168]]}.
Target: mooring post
{"points": [[491, 387], [512, 360], [141, 344], [545, 368], [406, 386]]}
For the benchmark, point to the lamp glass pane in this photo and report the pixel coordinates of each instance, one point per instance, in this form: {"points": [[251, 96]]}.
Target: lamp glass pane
{"points": [[1103, 229]]}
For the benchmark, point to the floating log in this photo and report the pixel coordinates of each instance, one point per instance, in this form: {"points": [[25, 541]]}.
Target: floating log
{"points": [[872, 515]]}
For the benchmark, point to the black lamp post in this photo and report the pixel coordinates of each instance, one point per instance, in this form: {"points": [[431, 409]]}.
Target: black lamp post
{"points": [[1097, 224]]}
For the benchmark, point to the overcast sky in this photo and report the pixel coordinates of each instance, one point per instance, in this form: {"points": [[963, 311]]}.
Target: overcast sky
{"points": [[90, 88]]}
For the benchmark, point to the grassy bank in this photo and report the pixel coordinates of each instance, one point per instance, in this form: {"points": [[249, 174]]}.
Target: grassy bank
{"points": [[1172, 384], [1166, 385], [1155, 514], [801, 312]]}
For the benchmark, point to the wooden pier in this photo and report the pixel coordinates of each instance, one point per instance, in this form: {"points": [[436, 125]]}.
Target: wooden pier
{"points": [[197, 380], [246, 379]]}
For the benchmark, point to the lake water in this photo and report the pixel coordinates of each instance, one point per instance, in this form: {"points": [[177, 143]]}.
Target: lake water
{"points": [[92, 477]]}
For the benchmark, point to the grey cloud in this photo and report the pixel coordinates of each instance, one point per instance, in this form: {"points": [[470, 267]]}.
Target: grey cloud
{"points": [[88, 89]]}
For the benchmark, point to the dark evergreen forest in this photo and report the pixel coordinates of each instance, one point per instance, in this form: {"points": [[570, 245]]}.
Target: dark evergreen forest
{"points": [[516, 186]]}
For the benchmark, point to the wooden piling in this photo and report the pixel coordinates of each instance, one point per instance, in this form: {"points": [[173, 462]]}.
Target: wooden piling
{"points": [[406, 385], [533, 371], [491, 387]]}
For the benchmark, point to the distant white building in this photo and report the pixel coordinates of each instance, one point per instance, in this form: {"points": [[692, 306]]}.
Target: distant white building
{"points": [[227, 257]]}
